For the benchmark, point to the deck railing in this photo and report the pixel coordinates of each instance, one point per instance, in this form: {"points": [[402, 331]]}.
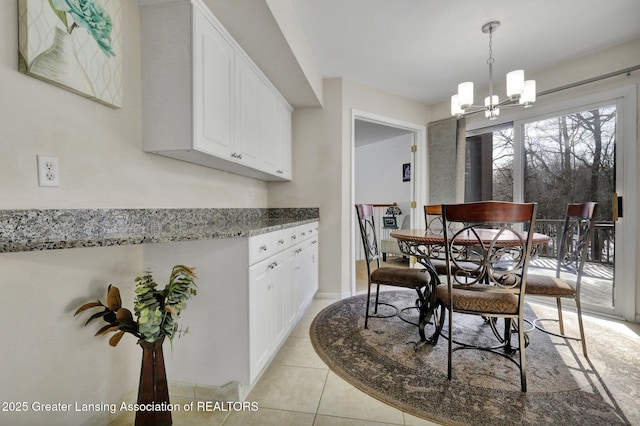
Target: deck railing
{"points": [[602, 240]]}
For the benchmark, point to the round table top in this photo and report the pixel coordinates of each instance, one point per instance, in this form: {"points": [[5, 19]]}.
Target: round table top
{"points": [[422, 236]]}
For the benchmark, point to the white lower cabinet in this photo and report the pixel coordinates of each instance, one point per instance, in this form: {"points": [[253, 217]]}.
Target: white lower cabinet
{"points": [[280, 288], [266, 306], [251, 292]]}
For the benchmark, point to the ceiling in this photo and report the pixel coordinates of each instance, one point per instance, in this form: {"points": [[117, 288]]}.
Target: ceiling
{"points": [[421, 49]]}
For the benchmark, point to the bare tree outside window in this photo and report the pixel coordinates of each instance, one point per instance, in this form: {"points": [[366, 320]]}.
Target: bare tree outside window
{"points": [[489, 166], [568, 159], [571, 159]]}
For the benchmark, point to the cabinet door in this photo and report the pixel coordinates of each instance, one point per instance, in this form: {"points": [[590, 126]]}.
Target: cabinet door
{"points": [[213, 89], [290, 294], [307, 271], [261, 315], [267, 313], [279, 298], [283, 141], [312, 267], [269, 116], [248, 128]]}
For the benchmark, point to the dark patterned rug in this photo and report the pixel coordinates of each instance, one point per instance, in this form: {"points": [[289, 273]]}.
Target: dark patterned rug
{"points": [[388, 362]]}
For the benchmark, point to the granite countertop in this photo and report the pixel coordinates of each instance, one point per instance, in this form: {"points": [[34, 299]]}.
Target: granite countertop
{"points": [[50, 229]]}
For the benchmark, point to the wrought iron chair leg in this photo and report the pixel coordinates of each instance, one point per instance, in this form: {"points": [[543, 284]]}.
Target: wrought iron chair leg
{"points": [[375, 311], [507, 336], [366, 313], [439, 323], [581, 326], [450, 345], [521, 347]]}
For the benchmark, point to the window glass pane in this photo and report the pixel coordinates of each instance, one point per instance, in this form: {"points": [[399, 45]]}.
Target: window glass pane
{"points": [[570, 159], [489, 166]]}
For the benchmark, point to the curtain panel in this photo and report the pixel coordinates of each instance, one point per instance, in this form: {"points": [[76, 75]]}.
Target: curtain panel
{"points": [[446, 160]]}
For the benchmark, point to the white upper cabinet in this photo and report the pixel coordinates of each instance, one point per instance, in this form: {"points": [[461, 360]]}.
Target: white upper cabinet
{"points": [[249, 135], [213, 76], [283, 133], [204, 100]]}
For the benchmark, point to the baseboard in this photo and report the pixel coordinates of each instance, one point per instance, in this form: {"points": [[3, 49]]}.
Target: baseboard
{"points": [[231, 392], [105, 417]]}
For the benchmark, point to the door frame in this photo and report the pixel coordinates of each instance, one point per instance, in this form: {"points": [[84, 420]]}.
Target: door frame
{"points": [[419, 175]]}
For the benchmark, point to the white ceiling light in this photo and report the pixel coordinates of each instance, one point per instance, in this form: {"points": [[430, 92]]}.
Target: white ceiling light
{"points": [[519, 91]]}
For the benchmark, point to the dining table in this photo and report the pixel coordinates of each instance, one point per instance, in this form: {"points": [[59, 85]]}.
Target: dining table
{"points": [[428, 246]]}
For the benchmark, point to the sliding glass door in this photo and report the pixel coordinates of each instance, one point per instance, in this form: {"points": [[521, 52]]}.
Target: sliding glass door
{"points": [[570, 158], [553, 160]]}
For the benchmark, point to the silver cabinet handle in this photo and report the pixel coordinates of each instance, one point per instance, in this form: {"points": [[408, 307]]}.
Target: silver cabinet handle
{"points": [[280, 241], [263, 247]]}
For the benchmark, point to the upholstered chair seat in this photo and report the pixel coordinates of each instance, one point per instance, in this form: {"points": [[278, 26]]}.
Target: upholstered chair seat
{"points": [[474, 301], [549, 286], [400, 277]]}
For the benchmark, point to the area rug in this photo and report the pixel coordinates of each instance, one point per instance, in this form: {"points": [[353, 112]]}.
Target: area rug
{"points": [[388, 362]]}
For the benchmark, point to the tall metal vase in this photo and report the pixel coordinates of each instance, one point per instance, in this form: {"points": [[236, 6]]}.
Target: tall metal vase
{"points": [[153, 387]]}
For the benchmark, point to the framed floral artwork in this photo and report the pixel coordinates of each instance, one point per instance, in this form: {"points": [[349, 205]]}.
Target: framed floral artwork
{"points": [[74, 44]]}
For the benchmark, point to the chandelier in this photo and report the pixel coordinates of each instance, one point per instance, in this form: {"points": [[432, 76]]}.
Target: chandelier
{"points": [[519, 92]]}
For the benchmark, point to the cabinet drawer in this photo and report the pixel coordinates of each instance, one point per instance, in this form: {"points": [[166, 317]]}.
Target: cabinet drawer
{"points": [[262, 246], [285, 238], [306, 231]]}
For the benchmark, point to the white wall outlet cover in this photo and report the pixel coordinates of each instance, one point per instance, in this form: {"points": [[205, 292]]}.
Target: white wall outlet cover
{"points": [[48, 171]]}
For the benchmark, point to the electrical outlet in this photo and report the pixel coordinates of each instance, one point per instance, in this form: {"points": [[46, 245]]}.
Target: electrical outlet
{"points": [[48, 171]]}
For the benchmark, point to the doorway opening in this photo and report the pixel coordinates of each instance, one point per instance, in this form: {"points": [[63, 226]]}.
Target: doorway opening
{"points": [[384, 170]]}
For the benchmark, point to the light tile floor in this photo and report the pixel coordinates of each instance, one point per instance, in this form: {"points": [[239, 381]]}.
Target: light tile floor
{"points": [[298, 389], [298, 381]]}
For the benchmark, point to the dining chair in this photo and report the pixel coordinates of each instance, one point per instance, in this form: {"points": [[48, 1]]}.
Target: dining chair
{"points": [[406, 277], [491, 282], [433, 223], [573, 249]]}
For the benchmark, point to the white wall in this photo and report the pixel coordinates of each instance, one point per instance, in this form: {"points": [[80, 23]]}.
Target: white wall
{"points": [[378, 179], [47, 355], [378, 173], [317, 179], [322, 169]]}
